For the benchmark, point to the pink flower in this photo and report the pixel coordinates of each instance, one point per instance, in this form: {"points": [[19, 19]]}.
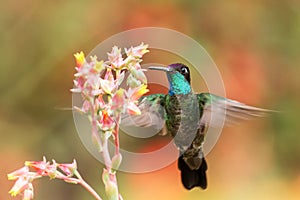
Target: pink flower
{"points": [[98, 66], [78, 85], [100, 103], [120, 78], [135, 93], [20, 185], [133, 109], [107, 86], [115, 58], [23, 183], [106, 122], [138, 51], [118, 100], [52, 170], [86, 106], [68, 168], [39, 166], [16, 174], [109, 75], [24, 177]]}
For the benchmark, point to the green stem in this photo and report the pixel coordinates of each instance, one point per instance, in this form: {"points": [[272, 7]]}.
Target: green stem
{"points": [[89, 189], [79, 180], [105, 153]]}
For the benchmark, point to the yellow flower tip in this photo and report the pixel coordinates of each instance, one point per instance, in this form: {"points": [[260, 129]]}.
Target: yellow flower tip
{"points": [[99, 66], [104, 113], [11, 177], [144, 89], [28, 163], [80, 58], [13, 193], [140, 92]]}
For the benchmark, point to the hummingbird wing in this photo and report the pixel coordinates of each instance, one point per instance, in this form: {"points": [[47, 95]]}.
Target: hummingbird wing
{"points": [[215, 110], [152, 113]]}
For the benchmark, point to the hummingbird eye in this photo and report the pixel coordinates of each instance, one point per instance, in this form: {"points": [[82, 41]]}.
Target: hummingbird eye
{"points": [[184, 70]]}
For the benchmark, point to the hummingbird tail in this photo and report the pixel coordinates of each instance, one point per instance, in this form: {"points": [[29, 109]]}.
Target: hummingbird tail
{"points": [[192, 178]]}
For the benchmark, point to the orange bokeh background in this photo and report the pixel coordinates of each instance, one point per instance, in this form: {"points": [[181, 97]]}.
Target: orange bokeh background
{"points": [[255, 45]]}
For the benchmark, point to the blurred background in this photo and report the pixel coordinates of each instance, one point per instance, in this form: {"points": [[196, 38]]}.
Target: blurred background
{"points": [[255, 44]]}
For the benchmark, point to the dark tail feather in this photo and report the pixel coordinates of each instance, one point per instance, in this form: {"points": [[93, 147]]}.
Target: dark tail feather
{"points": [[192, 178]]}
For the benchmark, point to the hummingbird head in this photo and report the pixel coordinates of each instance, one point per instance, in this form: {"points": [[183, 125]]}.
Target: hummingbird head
{"points": [[182, 69], [178, 76]]}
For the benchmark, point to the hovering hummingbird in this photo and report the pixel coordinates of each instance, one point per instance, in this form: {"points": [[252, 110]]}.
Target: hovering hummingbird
{"points": [[187, 116]]}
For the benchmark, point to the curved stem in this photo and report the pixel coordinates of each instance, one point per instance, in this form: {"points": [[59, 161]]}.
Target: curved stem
{"points": [[89, 189], [79, 180]]}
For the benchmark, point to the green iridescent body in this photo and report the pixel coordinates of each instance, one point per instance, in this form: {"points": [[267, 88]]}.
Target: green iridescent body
{"points": [[182, 122]]}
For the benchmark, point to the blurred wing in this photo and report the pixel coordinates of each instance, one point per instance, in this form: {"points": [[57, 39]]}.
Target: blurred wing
{"points": [[218, 110], [152, 113]]}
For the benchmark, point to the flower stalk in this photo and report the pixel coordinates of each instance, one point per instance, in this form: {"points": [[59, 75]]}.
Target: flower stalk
{"points": [[105, 101], [98, 82], [37, 169]]}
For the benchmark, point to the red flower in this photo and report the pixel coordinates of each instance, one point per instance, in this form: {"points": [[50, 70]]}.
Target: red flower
{"points": [[106, 122]]}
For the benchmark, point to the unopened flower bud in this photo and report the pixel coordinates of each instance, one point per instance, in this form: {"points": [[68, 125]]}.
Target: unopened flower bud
{"points": [[111, 187], [116, 161], [68, 168]]}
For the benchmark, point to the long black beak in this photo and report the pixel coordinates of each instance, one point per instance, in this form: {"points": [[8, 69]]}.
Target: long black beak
{"points": [[166, 69]]}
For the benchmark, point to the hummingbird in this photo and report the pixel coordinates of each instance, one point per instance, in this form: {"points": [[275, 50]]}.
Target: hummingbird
{"points": [[186, 116]]}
